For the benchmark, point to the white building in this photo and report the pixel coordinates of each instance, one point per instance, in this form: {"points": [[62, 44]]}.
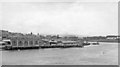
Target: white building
{"points": [[113, 37]]}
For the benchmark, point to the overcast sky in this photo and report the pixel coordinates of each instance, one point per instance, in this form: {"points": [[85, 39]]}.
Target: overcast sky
{"points": [[81, 18]]}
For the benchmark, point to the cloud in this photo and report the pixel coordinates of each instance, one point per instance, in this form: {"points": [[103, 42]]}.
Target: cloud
{"points": [[60, 18]]}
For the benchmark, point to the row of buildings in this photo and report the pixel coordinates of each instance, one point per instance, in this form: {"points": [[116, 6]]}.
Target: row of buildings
{"points": [[114, 37], [18, 40], [6, 35]]}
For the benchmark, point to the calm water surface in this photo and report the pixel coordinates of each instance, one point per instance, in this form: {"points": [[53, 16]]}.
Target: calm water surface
{"points": [[105, 53]]}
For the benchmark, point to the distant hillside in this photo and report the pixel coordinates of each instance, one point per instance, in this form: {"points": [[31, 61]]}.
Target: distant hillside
{"points": [[7, 34]]}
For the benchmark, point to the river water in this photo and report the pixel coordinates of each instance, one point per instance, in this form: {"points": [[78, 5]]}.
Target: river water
{"points": [[103, 54]]}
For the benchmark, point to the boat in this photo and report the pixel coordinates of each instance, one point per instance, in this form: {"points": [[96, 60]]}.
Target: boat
{"points": [[85, 43], [94, 43]]}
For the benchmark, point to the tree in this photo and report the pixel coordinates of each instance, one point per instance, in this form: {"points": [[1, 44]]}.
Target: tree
{"points": [[31, 33], [37, 33]]}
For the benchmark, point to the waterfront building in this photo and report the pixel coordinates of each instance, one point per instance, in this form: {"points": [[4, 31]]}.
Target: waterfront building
{"points": [[112, 37]]}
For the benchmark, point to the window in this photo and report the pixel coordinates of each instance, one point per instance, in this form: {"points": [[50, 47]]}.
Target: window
{"points": [[14, 43], [41, 43], [36, 42], [31, 42], [20, 43], [25, 43], [8, 42]]}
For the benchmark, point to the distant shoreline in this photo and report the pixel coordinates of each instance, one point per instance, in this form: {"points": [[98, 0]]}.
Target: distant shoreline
{"points": [[105, 40]]}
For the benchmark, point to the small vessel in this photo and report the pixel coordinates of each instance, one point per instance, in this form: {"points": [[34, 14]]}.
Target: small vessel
{"points": [[94, 43], [86, 43]]}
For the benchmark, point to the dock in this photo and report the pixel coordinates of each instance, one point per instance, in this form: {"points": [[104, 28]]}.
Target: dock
{"points": [[38, 43]]}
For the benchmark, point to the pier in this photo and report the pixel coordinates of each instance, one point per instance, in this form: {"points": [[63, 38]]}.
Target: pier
{"points": [[36, 42]]}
